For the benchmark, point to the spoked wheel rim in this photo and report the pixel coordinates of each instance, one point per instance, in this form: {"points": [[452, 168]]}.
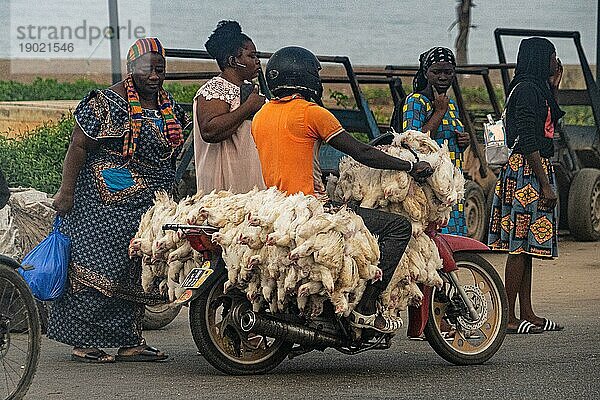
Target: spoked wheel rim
{"points": [[223, 313], [19, 335], [467, 335]]}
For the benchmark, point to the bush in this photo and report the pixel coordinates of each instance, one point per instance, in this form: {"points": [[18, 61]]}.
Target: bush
{"points": [[51, 89], [35, 160], [182, 93], [45, 89]]}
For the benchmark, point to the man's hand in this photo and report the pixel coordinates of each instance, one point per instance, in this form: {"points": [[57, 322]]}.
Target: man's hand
{"points": [[421, 171], [548, 196], [462, 139]]}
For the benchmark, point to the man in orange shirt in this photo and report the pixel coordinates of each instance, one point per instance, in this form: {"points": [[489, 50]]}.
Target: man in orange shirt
{"points": [[288, 132]]}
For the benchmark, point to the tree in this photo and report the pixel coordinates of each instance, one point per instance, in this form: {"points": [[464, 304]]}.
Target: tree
{"points": [[463, 20]]}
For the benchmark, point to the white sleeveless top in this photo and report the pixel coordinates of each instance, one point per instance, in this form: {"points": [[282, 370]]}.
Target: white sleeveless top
{"points": [[232, 164]]}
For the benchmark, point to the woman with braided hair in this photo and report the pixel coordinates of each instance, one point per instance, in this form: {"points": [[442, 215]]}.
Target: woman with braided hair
{"points": [[121, 153], [429, 109], [226, 155]]}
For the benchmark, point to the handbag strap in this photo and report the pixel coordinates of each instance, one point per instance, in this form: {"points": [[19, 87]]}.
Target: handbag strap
{"points": [[504, 115], [508, 99]]}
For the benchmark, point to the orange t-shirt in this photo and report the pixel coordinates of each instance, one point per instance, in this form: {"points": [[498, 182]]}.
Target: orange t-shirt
{"points": [[288, 133]]}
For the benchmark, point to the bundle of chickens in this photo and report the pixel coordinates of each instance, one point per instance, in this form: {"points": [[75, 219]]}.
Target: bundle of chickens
{"points": [[280, 250], [426, 205]]}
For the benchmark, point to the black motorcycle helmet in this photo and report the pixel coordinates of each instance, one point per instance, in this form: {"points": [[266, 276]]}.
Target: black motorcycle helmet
{"points": [[294, 70]]}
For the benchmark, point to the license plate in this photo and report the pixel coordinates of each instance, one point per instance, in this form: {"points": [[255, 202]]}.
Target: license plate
{"points": [[197, 276]]}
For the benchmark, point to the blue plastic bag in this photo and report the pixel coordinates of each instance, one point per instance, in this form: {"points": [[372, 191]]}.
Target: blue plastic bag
{"points": [[45, 267]]}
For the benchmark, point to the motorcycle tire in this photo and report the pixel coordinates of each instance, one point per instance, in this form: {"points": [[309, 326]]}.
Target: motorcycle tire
{"points": [[469, 342], [20, 334], [219, 349], [159, 316]]}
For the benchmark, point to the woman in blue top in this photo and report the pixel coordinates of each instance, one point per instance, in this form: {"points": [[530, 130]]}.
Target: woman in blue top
{"points": [[428, 109]]}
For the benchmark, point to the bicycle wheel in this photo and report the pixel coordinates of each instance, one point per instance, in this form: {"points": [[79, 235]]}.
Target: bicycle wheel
{"points": [[20, 334]]}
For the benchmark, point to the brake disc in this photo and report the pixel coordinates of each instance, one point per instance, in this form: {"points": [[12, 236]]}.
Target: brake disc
{"points": [[479, 303]]}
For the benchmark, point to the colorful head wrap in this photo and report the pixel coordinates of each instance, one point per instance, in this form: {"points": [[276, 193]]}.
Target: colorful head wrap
{"points": [[143, 46], [174, 131], [430, 57]]}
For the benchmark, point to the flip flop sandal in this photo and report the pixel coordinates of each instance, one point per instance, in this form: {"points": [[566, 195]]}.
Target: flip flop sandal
{"points": [[359, 320], [524, 328], [550, 325], [94, 357], [148, 354]]}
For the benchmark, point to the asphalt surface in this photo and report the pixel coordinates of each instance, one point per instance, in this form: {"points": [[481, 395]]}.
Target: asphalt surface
{"points": [[553, 365]]}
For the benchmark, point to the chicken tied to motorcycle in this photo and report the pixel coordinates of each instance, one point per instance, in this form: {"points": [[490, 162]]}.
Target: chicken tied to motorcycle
{"points": [[269, 276]]}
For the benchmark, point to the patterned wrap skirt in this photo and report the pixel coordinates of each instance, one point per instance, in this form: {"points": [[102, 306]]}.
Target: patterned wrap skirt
{"points": [[520, 222], [103, 305]]}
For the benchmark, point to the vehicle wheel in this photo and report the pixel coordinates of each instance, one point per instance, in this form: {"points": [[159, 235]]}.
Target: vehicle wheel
{"points": [[451, 331], [476, 214], [20, 335], [220, 340], [584, 205], [156, 317]]}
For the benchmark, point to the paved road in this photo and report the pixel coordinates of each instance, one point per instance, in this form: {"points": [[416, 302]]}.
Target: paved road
{"points": [[553, 365]]}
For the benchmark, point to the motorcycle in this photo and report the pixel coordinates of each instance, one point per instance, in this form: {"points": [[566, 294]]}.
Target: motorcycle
{"points": [[464, 321]]}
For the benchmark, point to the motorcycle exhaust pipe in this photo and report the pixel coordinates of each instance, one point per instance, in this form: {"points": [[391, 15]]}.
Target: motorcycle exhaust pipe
{"points": [[252, 322]]}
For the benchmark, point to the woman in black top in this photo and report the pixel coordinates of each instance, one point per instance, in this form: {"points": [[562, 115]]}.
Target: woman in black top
{"points": [[523, 219]]}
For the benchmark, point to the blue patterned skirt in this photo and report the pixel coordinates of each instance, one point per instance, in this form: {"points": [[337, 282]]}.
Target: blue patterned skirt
{"points": [[520, 222]]}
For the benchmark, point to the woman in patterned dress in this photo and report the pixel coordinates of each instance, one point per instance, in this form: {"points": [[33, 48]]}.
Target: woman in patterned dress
{"points": [[121, 153], [523, 219], [225, 153], [428, 109]]}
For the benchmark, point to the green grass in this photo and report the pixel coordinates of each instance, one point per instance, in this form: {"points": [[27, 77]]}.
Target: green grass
{"points": [[45, 89], [51, 89], [35, 160]]}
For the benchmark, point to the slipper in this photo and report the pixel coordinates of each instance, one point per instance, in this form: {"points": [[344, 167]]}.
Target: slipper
{"points": [[524, 328], [95, 357], [359, 320], [549, 325], [148, 354]]}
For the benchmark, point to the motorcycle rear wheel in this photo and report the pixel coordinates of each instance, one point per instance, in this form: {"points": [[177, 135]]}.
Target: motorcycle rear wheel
{"points": [[221, 341], [462, 340]]}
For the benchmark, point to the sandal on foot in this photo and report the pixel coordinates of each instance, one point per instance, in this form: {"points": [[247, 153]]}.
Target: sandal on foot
{"points": [[549, 325], [368, 321], [524, 328], [96, 357], [147, 354]]}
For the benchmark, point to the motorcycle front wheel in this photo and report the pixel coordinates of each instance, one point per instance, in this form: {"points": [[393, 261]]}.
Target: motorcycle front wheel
{"points": [[451, 330], [221, 341], [20, 334]]}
